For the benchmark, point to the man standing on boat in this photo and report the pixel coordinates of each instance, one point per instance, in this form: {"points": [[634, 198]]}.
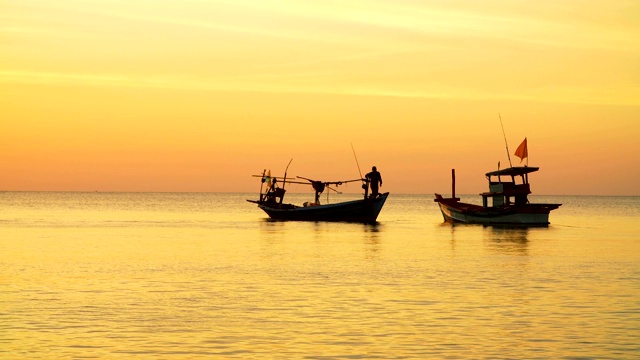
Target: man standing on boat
{"points": [[374, 179]]}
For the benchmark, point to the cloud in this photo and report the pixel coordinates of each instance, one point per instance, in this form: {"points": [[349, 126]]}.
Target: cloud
{"points": [[372, 48], [559, 94]]}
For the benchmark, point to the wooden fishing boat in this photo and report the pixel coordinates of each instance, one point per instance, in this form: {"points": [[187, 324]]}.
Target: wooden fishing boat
{"points": [[365, 210], [508, 191]]}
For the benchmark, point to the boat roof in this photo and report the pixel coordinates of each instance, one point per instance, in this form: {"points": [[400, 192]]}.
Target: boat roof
{"points": [[513, 171]]}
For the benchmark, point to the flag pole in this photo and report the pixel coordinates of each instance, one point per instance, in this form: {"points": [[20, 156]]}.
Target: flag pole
{"points": [[505, 142]]}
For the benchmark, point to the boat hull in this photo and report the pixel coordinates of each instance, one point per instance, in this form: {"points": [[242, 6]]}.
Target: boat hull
{"points": [[363, 211], [525, 215]]}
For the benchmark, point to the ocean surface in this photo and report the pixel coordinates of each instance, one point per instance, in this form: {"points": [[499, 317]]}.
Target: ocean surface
{"points": [[202, 276]]}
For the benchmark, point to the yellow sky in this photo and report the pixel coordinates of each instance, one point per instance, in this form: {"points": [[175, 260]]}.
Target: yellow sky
{"points": [[197, 95]]}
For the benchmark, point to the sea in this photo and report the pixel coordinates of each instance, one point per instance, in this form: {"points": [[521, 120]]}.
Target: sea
{"points": [[209, 276]]}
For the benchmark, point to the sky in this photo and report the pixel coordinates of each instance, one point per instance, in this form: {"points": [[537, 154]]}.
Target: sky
{"points": [[198, 95]]}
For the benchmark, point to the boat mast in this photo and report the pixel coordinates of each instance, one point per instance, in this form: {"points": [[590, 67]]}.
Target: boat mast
{"points": [[505, 140], [453, 183], [262, 183]]}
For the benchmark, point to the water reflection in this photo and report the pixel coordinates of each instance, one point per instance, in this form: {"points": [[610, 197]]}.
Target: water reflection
{"points": [[321, 238], [509, 240], [512, 240], [240, 287], [372, 230], [453, 231], [272, 226], [371, 236]]}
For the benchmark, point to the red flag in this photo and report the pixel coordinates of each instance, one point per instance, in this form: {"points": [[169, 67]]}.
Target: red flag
{"points": [[521, 151]]}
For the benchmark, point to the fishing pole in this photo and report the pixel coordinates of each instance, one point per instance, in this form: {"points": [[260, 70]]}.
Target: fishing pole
{"points": [[354, 155], [365, 182], [285, 173], [505, 140], [284, 182]]}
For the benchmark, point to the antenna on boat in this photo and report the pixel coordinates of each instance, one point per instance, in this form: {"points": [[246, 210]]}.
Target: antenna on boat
{"points": [[505, 141]]}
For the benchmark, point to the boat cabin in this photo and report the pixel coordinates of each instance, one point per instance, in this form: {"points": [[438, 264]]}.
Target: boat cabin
{"points": [[508, 187]]}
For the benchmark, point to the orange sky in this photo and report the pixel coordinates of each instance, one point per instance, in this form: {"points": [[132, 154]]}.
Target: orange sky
{"points": [[198, 95]]}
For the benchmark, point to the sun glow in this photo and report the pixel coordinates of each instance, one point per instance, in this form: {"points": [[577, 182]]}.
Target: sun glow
{"points": [[195, 96]]}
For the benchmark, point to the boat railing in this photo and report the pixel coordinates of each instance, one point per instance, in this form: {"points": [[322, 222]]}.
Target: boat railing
{"points": [[508, 188]]}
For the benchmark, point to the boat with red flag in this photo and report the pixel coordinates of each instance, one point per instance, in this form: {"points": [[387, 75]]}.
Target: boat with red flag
{"points": [[506, 202]]}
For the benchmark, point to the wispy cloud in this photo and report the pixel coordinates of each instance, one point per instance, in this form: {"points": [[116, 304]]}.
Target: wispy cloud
{"points": [[300, 84], [336, 47]]}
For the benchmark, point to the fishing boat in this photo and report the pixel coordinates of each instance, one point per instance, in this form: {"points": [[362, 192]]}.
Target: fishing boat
{"points": [[365, 210], [508, 191]]}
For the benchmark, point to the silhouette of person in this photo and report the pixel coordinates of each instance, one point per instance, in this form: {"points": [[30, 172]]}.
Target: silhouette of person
{"points": [[374, 178]]}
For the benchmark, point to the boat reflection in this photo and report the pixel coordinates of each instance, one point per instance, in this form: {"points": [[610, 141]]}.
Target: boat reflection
{"points": [[509, 240], [371, 235], [324, 237]]}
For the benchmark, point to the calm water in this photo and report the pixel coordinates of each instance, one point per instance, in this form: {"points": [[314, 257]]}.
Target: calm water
{"points": [[193, 276]]}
